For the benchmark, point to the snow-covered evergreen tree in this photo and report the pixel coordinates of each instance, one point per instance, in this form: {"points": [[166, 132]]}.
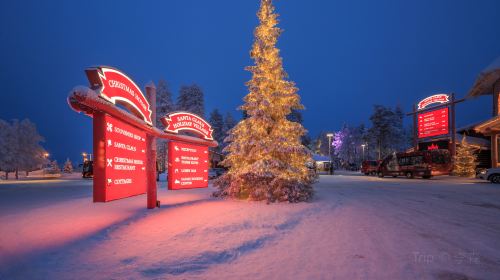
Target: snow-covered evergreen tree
{"points": [[164, 102], [20, 147], [190, 99], [266, 159], [7, 154], [465, 162], [164, 106], [68, 166], [53, 168], [347, 144], [217, 123], [387, 133], [29, 147], [229, 123]]}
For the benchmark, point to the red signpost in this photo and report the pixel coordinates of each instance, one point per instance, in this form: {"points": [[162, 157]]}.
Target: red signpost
{"points": [[178, 121], [433, 123], [115, 86], [433, 99], [120, 159], [187, 166], [124, 140]]}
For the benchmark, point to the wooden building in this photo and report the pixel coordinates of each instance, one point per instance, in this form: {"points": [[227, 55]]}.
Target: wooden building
{"points": [[488, 83]]}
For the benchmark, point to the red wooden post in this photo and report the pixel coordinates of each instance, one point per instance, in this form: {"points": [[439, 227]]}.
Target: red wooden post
{"points": [[99, 127], [151, 152], [415, 128], [453, 128]]}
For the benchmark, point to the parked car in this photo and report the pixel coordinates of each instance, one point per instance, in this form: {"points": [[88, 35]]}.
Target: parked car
{"points": [[423, 164], [492, 175], [88, 169], [369, 167]]}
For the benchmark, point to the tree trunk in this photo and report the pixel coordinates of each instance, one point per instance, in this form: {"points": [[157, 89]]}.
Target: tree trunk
{"points": [[6, 175], [17, 174], [27, 173]]}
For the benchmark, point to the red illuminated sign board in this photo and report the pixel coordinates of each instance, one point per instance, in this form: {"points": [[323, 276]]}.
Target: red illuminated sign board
{"points": [[178, 121], [437, 98], [115, 86], [120, 159], [433, 123], [187, 166]]}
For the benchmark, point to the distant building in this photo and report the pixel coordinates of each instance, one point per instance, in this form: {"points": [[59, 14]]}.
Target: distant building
{"points": [[488, 83]]}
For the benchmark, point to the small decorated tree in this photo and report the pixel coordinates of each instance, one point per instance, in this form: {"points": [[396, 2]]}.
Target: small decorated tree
{"points": [[266, 158], [68, 166], [54, 167], [465, 161]]}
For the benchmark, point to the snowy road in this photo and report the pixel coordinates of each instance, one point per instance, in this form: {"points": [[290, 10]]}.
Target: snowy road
{"points": [[357, 227]]}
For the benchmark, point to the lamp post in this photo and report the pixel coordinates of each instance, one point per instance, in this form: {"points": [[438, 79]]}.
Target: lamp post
{"points": [[84, 155], [363, 146], [330, 136]]}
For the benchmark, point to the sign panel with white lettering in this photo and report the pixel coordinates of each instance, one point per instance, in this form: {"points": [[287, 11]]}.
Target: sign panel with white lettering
{"points": [[185, 121], [114, 86], [120, 159], [187, 166], [433, 123]]}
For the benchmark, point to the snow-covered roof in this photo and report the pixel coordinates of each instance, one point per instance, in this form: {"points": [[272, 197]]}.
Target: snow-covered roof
{"points": [[488, 125], [475, 141], [486, 80], [467, 127]]}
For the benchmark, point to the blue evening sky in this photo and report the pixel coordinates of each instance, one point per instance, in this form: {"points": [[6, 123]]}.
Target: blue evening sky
{"points": [[344, 56]]}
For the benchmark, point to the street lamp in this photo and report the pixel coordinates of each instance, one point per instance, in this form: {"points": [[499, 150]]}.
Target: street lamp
{"points": [[330, 136], [363, 146], [84, 155], [46, 155]]}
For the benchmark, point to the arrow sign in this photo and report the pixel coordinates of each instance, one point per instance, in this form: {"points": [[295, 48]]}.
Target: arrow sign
{"points": [[180, 121], [188, 166], [114, 86]]}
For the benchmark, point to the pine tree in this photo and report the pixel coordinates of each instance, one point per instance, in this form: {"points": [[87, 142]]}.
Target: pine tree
{"points": [[229, 123], [190, 99], [464, 164], [164, 103], [266, 159], [53, 168], [164, 106], [7, 156], [217, 123], [68, 166]]}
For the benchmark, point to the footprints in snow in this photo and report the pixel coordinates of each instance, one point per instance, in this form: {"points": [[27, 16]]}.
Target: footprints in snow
{"points": [[206, 259]]}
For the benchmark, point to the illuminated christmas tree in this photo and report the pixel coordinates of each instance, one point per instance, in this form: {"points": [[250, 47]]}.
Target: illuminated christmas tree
{"points": [[266, 159], [465, 161]]}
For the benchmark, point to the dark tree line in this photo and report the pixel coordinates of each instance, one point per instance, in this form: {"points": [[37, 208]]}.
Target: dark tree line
{"points": [[351, 144], [189, 99]]}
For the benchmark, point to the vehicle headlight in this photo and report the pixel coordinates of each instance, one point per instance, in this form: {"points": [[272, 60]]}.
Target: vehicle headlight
{"points": [[482, 172]]}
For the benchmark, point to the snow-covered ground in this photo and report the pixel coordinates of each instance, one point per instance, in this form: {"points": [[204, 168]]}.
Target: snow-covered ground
{"points": [[357, 227]]}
